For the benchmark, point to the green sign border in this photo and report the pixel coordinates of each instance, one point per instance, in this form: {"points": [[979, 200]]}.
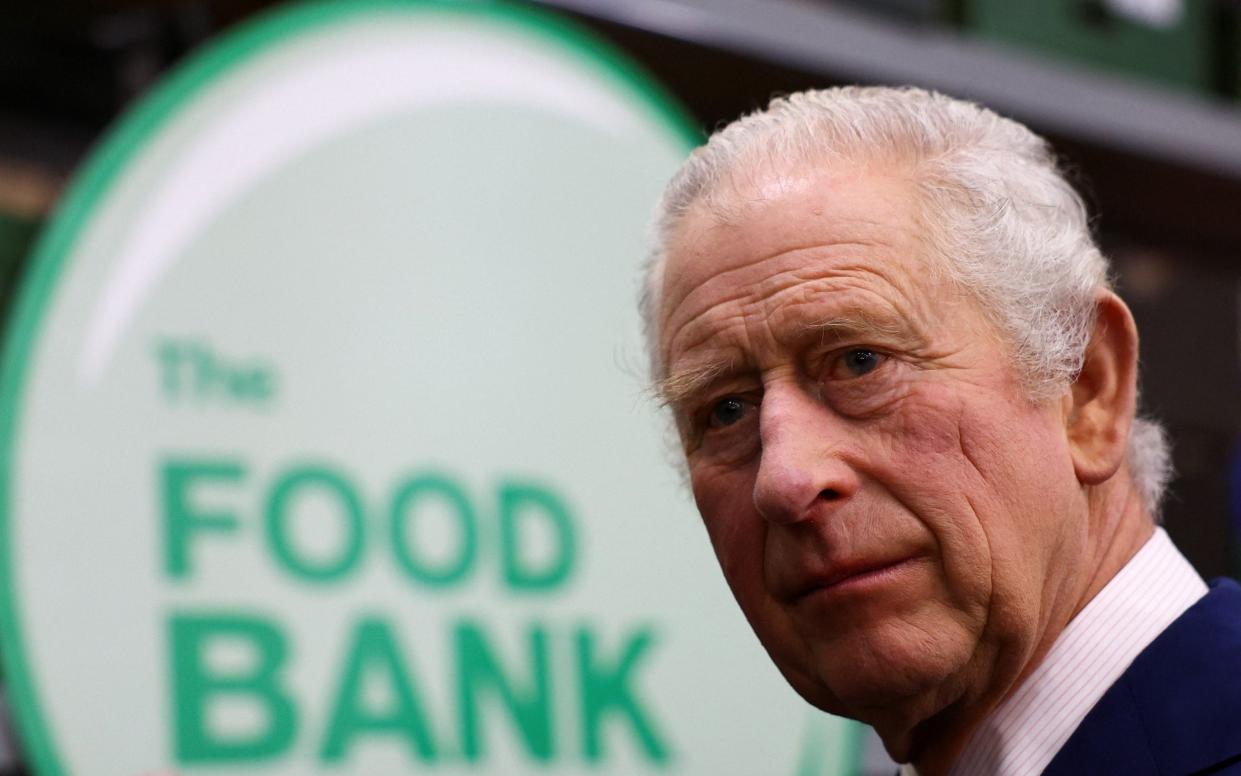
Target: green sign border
{"points": [[124, 141]]}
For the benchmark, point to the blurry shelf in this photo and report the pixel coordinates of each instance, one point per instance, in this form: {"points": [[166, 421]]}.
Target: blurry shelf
{"points": [[846, 44]]}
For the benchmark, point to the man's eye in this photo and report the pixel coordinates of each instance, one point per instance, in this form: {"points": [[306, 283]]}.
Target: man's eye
{"points": [[857, 362], [728, 411]]}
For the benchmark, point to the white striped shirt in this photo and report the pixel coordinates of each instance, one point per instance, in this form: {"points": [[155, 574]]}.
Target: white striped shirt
{"points": [[1022, 735]]}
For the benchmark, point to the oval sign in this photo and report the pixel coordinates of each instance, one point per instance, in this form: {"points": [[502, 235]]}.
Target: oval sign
{"points": [[324, 445]]}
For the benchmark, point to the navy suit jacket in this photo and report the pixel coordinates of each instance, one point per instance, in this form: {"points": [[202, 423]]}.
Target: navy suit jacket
{"points": [[1177, 709]]}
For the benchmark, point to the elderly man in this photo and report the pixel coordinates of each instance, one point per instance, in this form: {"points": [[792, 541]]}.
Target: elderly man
{"points": [[906, 397]]}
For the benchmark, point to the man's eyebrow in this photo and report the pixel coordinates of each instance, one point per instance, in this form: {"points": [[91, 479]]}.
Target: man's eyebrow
{"points": [[682, 384], [858, 322]]}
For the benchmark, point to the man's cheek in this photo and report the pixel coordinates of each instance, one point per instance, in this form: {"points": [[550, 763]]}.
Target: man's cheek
{"points": [[941, 439], [950, 497], [725, 501], [929, 426], [739, 549]]}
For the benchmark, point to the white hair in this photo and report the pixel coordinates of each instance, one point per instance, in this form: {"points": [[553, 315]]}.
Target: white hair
{"points": [[995, 204]]}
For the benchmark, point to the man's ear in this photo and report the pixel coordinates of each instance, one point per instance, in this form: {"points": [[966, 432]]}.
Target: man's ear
{"points": [[1101, 403]]}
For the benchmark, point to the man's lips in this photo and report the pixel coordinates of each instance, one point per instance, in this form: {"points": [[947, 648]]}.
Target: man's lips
{"points": [[844, 576]]}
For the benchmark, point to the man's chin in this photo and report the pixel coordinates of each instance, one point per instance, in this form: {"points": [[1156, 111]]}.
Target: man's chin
{"points": [[881, 681]]}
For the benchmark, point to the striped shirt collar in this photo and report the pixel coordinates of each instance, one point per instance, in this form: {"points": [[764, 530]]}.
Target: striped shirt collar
{"points": [[1023, 734]]}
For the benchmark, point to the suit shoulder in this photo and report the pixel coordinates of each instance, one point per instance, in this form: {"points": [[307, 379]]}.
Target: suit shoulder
{"points": [[1177, 708]]}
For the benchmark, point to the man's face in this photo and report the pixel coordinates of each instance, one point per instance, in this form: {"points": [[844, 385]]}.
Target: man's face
{"points": [[894, 516]]}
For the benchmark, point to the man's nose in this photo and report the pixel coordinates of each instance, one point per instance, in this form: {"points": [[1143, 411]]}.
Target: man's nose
{"points": [[801, 469]]}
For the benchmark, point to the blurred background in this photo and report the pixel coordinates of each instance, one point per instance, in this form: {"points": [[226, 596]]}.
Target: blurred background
{"points": [[1141, 97]]}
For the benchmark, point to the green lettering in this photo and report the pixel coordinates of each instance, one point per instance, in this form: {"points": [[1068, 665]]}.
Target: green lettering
{"points": [[606, 691], [196, 684], [529, 708], [278, 513], [519, 504], [181, 519], [374, 653], [403, 513], [169, 356]]}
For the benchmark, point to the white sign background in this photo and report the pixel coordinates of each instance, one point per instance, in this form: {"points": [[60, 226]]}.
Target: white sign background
{"points": [[389, 241]]}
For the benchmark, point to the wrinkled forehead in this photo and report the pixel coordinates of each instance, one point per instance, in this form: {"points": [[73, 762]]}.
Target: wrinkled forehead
{"points": [[733, 235]]}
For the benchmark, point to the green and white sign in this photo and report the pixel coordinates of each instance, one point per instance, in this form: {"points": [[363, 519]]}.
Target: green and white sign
{"points": [[324, 444]]}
